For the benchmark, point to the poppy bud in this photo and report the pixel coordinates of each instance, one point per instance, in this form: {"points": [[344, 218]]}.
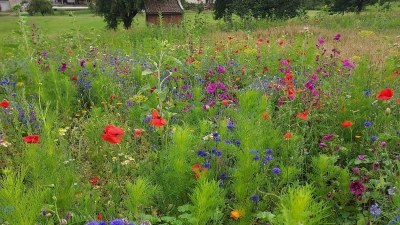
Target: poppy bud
{"points": [[388, 111]]}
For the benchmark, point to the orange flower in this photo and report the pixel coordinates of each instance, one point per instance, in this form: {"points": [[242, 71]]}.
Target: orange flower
{"points": [[342, 108], [225, 102], [288, 136], [385, 94], [288, 77], [347, 124], [236, 214], [304, 115], [265, 116]]}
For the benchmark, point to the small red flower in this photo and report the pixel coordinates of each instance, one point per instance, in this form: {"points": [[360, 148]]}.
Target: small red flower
{"points": [[152, 89], [138, 132], [385, 94], [265, 70], [198, 170], [112, 134], [157, 120], [288, 136], [99, 217], [94, 180], [31, 139], [225, 102], [347, 124], [304, 115], [73, 78], [4, 104], [113, 96], [396, 72], [265, 115], [288, 77]]}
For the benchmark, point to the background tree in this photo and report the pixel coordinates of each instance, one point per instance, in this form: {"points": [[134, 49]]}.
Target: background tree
{"points": [[272, 9], [40, 6], [117, 11], [342, 6]]}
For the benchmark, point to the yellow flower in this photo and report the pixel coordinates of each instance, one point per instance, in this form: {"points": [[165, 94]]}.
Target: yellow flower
{"points": [[358, 136]]}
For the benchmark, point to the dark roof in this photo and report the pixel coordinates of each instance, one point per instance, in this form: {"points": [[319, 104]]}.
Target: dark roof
{"points": [[166, 6]]}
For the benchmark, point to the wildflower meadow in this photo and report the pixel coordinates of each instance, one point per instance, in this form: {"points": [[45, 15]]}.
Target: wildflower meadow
{"points": [[291, 123]]}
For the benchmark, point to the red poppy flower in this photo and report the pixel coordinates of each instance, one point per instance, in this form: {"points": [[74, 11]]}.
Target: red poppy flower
{"points": [[112, 134], [113, 96], [288, 136], [265, 70], [94, 180], [396, 72], [73, 78], [288, 77], [138, 132], [347, 124], [265, 115], [31, 139], [304, 115], [157, 120], [198, 170], [4, 104], [385, 94], [99, 217], [398, 101]]}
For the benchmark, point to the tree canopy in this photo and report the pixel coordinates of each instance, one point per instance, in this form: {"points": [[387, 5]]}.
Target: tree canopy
{"points": [[282, 9], [40, 6], [117, 11]]}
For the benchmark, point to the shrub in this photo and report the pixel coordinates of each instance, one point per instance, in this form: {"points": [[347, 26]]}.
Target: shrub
{"points": [[40, 6]]}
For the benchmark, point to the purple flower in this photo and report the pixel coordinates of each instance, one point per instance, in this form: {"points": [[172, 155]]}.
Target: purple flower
{"points": [[361, 157], [367, 124], [348, 64], [268, 158], [82, 62], [63, 67], [117, 222], [322, 145], [328, 137], [223, 176], [221, 69], [356, 187], [321, 41], [211, 88], [93, 223], [207, 165], [337, 37], [383, 144], [356, 170], [268, 151], [222, 86]]}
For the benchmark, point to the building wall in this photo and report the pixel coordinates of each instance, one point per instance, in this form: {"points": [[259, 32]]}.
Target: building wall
{"points": [[167, 19], [5, 6]]}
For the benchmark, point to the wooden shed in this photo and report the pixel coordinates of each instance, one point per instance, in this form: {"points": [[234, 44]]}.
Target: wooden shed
{"points": [[171, 11]]}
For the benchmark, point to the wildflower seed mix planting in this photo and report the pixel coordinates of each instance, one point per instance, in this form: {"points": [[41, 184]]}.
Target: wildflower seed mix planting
{"points": [[249, 119]]}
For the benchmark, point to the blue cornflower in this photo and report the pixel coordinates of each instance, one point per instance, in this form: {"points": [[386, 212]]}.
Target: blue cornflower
{"points": [[207, 165], [367, 93], [228, 142], [367, 124], [214, 151], [237, 142], [276, 170], [93, 223], [230, 127], [219, 153], [117, 222], [255, 198], [256, 157], [215, 134], [102, 223], [223, 176], [201, 153], [268, 151], [374, 210], [373, 138], [392, 190], [268, 157], [217, 139]]}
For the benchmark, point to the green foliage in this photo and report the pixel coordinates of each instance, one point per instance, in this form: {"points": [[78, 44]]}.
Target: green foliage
{"points": [[257, 9], [40, 6], [342, 6], [299, 206], [16, 8], [118, 11], [139, 195], [207, 202]]}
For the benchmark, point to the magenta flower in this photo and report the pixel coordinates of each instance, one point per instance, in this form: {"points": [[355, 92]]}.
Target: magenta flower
{"points": [[356, 187], [383, 144], [328, 137], [356, 170], [337, 37], [321, 41], [322, 145], [361, 157], [221, 69], [211, 88], [348, 64]]}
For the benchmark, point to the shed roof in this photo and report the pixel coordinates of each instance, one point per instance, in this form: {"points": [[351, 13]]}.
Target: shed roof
{"points": [[166, 6]]}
